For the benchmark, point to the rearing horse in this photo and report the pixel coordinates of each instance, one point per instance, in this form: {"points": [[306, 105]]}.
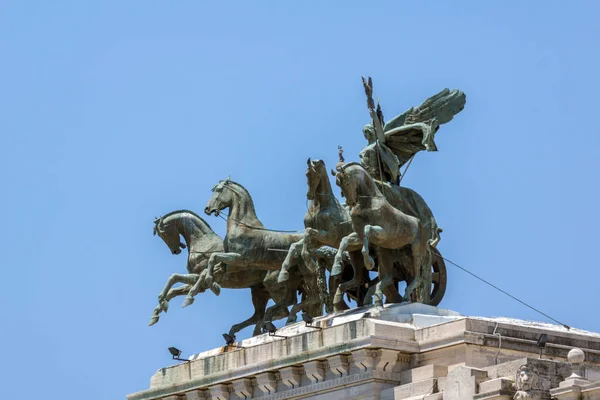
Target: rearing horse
{"points": [[202, 242], [376, 221], [248, 244], [327, 222]]}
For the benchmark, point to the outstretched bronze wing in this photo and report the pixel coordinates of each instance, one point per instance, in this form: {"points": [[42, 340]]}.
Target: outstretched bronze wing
{"points": [[414, 130]]}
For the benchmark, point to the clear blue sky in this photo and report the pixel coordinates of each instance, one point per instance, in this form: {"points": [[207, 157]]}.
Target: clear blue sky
{"points": [[116, 112]]}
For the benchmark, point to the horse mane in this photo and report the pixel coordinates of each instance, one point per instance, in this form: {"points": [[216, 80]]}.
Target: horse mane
{"points": [[352, 164], [245, 191], [189, 212], [365, 172]]}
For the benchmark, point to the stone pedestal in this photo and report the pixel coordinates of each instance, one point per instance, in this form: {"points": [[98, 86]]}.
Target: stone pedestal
{"points": [[397, 352]]}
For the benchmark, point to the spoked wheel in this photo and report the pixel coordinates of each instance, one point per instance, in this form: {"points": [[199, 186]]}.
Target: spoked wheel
{"points": [[438, 278]]}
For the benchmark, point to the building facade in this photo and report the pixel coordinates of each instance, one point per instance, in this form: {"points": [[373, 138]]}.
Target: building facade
{"points": [[410, 351]]}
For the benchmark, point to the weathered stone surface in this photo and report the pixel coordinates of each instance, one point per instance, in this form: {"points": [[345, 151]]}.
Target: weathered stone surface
{"points": [[496, 389], [220, 391], [577, 391], [244, 388], [291, 376], [267, 382], [365, 359], [463, 382], [425, 372], [408, 349], [421, 388], [315, 370], [339, 364], [197, 395]]}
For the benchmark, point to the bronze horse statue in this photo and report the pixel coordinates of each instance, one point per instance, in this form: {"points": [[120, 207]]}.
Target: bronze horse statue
{"points": [[249, 245], [327, 223], [201, 242], [376, 222]]}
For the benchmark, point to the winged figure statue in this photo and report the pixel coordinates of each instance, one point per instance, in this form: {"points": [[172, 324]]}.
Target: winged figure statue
{"points": [[393, 144]]}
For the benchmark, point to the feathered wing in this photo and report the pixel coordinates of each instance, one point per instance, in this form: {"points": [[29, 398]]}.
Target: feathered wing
{"points": [[414, 130]]}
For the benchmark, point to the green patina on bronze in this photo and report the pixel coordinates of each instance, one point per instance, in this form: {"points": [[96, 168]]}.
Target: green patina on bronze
{"points": [[383, 227]]}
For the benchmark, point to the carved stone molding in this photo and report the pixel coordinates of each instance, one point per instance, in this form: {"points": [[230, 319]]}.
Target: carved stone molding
{"points": [[339, 364], [291, 376], [220, 391], [243, 388], [329, 384], [315, 370], [201, 394], [267, 382], [388, 359], [365, 359]]}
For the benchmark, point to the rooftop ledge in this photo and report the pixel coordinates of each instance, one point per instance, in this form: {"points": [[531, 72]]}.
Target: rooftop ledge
{"points": [[407, 329]]}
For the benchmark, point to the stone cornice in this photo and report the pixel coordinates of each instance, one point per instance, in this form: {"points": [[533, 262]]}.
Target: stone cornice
{"points": [[315, 360]]}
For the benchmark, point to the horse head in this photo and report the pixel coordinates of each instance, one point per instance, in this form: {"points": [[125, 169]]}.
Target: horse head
{"points": [[314, 173], [351, 178], [221, 199], [166, 229]]}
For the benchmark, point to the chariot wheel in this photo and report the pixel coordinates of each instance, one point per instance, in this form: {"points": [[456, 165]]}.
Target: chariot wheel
{"points": [[439, 278]]}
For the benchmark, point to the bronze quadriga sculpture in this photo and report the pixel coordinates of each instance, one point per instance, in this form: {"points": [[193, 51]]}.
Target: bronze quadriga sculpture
{"points": [[383, 227]]}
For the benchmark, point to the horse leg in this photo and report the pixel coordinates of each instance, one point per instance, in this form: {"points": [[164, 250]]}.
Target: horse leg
{"points": [[380, 288], [352, 240], [173, 279], [371, 232], [386, 275], [294, 252], [180, 291], [312, 237], [338, 301], [281, 294], [358, 265], [259, 299], [307, 248], [311, 301], [416, 282], [420, 252], [278, 311], [234, 263], [313, 306], [378, 295], [425, 262], [386, 286], [368, 299], [292, 316]]}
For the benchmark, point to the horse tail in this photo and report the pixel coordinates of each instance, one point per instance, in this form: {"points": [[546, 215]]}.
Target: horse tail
{"points": [[435, 234]]}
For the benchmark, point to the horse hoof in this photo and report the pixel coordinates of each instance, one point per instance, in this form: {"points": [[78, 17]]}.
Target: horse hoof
{"points": [[370, 263], [284, 276], [337, 269], [187, 302], [378, 301], [153, 320], [216, 289], [164, 305]]}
